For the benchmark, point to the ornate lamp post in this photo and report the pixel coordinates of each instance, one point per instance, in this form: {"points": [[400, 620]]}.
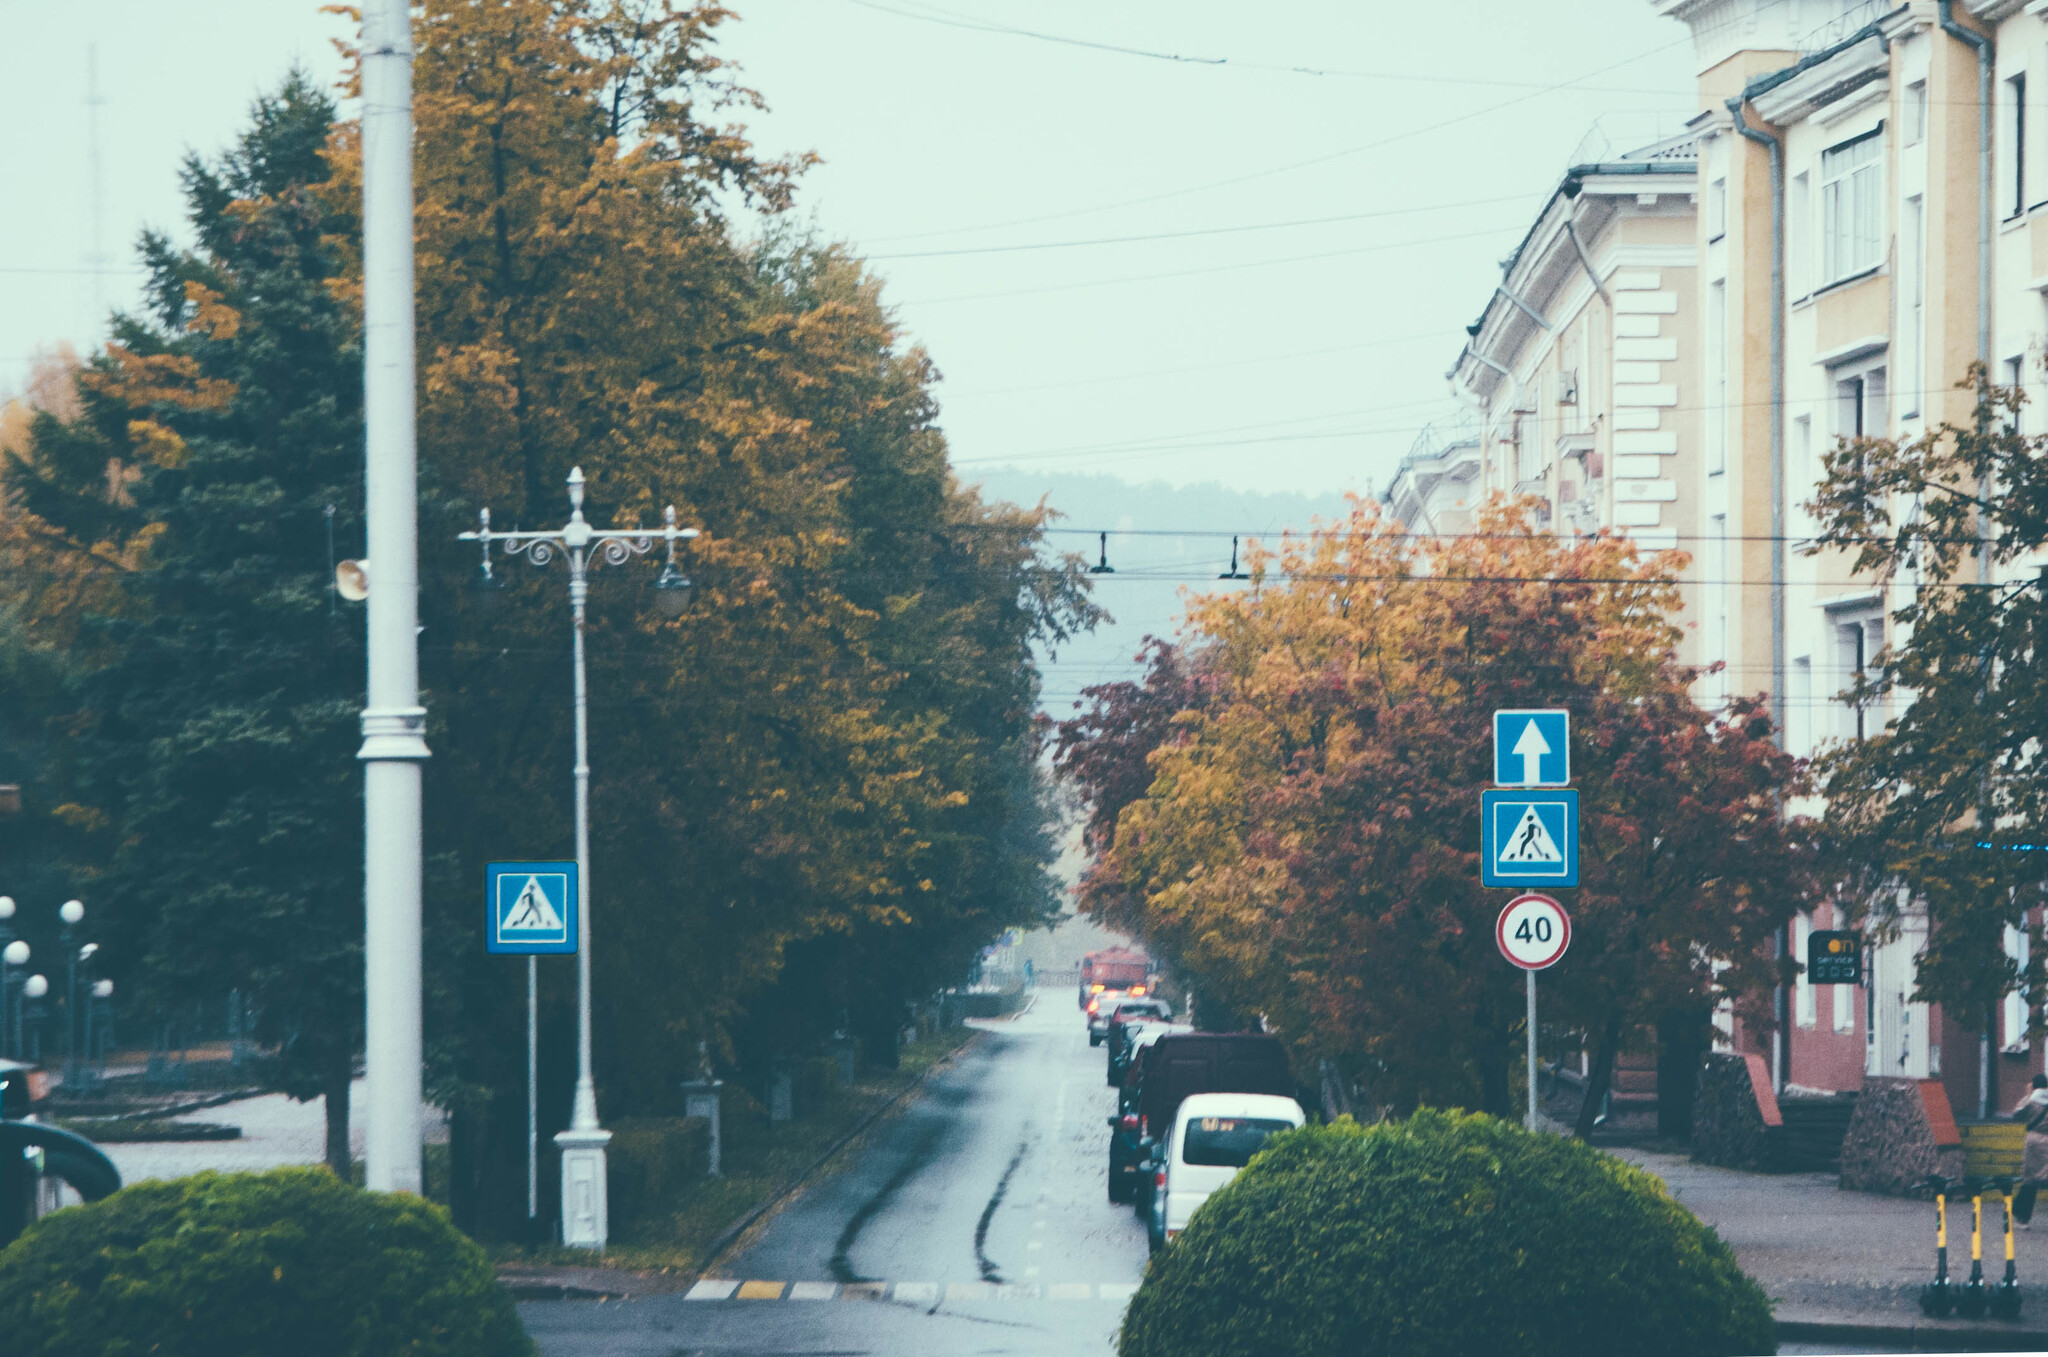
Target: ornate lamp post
{"points": [[72, 912], [33, 988], [14, 953], [585, 1210]]}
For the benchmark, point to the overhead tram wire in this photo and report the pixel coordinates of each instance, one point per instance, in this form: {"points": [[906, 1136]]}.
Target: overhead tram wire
{"points": [[1210, 269], [1294, 165]]}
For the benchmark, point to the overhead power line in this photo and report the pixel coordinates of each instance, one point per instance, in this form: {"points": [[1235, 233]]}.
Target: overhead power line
{"points": [[1324, 159]]}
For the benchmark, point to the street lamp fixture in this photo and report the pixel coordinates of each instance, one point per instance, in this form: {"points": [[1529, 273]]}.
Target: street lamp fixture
{"points": [[14, 953], [585, 1209], [71, 911]]}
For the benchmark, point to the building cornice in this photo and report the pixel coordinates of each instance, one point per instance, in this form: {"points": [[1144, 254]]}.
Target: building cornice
{"points": [[1799, 91]]}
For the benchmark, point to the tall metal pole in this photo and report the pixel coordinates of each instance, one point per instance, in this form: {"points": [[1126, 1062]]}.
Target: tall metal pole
{"points": [[585, 1208], [532, 1093], [1531, 1123], [394, 723]]}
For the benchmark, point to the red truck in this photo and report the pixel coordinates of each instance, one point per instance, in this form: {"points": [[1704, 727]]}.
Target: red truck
{"points": [[1115, 968]]}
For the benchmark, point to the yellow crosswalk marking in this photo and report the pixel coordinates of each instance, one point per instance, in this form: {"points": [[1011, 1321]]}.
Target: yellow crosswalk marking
{"points": [[760, 1291]]}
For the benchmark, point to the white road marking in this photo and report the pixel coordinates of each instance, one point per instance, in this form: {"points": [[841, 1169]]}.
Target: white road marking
{"points": [[712, 1288]]}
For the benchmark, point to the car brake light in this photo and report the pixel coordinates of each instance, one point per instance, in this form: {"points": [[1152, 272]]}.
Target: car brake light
{"points": [[1095, 989], [1129, 1123], [1092, 1005], [1137, 989], [1159, 1178]]}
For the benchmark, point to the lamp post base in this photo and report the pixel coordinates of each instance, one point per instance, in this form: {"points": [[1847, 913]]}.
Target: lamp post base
{"points": [[586, 1218]]}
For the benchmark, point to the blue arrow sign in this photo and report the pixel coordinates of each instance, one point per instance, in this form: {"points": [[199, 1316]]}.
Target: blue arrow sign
{"points": [[530, 907], [1529, 838], [1532, 749]]}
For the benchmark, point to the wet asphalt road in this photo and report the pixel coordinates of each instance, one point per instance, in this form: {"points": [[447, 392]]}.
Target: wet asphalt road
{"points": [[975, 1221]]}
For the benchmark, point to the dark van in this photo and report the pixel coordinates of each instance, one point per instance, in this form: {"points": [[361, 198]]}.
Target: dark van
{"points": [[1169, 1070]]}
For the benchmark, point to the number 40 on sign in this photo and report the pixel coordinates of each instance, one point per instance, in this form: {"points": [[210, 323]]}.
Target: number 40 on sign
{"points": [[1533, 932]]}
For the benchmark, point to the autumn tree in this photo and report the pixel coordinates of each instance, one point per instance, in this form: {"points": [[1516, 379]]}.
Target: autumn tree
{"points": [[1308, 841], [1947, 800], [211, 724]]}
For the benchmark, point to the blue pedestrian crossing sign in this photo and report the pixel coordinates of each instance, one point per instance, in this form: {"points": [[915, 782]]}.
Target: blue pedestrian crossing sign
{"points": [[1532, 749], [530, 907], [1529, 838]]}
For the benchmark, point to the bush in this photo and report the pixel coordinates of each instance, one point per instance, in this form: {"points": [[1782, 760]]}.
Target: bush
{"points": [[650, 1163], [251, 1265], [1448, 1234]]}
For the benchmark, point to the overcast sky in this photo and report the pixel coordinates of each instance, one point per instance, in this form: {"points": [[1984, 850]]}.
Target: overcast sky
{"points": [[1295, 357]]}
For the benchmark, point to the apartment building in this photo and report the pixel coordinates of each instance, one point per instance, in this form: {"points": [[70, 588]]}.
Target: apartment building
{"points": [[1873, 179], [1437, 487], [1584, 369]]}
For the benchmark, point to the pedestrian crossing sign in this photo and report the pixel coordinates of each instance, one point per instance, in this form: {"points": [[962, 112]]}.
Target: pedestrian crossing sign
{"points": [[1529, 838], [530, 907]]}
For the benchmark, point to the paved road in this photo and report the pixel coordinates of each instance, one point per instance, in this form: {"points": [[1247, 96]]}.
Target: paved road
{"points": [[975, 1221]]}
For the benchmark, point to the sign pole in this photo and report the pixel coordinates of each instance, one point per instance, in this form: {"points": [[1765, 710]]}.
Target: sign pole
{"points": [[533, 1098], [1532, 1048]]}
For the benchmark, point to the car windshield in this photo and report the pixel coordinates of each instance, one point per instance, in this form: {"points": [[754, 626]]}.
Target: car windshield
{"points": [[1227, 1142]]}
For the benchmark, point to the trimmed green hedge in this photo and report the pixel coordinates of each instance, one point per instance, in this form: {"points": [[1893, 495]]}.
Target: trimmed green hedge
{"points": [[1443, 1234], [651, 1163], [293, 1262]]}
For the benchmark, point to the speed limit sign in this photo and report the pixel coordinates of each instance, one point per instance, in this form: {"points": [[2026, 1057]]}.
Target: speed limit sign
{"points": [[1533, 932]]}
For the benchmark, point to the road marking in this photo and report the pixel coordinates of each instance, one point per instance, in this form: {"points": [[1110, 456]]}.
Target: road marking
{"points": [[727, 1288], [711, 1288]]}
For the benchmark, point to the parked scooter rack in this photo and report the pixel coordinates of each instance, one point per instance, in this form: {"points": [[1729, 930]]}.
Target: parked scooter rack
{"points": [[1975, 1298]]}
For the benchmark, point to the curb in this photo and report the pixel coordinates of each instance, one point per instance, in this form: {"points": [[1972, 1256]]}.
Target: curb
{"points": [[726, 1237], [1908, 1337]]}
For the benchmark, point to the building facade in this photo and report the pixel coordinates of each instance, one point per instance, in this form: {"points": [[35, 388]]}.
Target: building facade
{"points": [[1856, 213]]}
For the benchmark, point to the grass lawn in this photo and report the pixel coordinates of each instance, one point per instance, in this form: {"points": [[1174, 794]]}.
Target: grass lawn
{"points": [[675, 1237]]}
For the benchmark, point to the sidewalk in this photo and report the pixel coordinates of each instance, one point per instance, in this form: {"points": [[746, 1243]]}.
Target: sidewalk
{"points": [[276, 1132], [1847, 1267]]}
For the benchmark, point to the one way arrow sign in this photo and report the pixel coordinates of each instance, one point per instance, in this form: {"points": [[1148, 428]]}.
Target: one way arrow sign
{"points": [[1532, 749]]}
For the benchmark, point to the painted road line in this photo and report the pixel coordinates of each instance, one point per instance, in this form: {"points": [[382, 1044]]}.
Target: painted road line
{"points": [[711, 1288], [725, 1288]]}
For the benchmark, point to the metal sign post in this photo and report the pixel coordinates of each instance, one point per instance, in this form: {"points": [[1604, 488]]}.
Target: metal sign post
{"points": [[1533, 933], [532, 908]]}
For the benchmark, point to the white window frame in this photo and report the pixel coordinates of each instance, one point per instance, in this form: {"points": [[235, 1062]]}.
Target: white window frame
{"points": [[1799, 235], [1913, 298], [1858, 635], [1717, 377], [1915, 110], [2013, 173], [2014, 1007], [1717, 209], [1852, 207], [1799, 713]]}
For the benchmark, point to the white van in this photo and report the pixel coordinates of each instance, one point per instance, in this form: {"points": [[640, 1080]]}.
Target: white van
{"points": [[1214, 1135]]}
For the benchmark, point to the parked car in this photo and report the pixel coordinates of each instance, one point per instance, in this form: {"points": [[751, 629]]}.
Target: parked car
{"points": [[1130, 1162], [1214, 1135], [1170, 1065], [1104, 1006], [1121, 1016]]}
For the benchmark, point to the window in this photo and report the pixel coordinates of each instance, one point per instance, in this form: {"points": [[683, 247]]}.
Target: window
{"points": [[1804, 471], [2015, 375], [1529, 436], [1799, 236], [1227, 1142], [1852, 207], [1916, 113], [1913, 329], [1799, 710], [1859, 404], [1806, 999], [1717, 210], [1857, 639], [1722, 586], [1717, 376], [2014, 1025], [2016, 137]]}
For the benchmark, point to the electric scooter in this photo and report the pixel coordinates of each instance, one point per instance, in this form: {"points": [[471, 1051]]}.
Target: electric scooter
{"points": [[1976, 1296]]}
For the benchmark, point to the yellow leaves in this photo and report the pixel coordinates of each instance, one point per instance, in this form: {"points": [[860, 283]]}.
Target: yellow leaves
{"points": [[157, 443], [211, 315], [142, 380]]}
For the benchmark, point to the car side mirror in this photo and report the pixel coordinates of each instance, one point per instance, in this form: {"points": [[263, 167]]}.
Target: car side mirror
{"points": [[1112, 1122]]}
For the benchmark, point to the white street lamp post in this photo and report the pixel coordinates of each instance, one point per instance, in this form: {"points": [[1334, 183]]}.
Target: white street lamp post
{"points": [[585, 1210], [14, 953], [394, 723]]}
